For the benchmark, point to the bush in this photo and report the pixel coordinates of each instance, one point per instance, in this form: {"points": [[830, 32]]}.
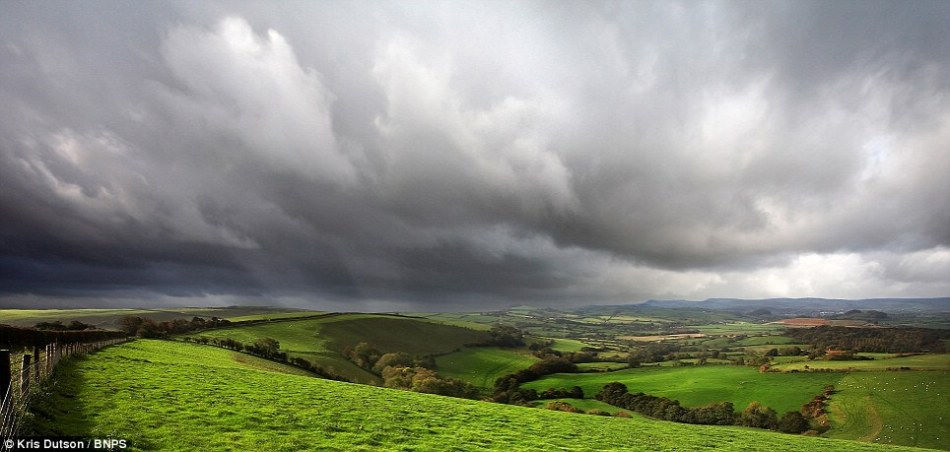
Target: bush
{"points": [[563, 406], [398, 359], [793, 422], [758, 415], [505, 336]]}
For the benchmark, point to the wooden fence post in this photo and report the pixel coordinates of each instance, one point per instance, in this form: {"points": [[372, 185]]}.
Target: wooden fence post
{"points": [[36, 363], [4, 373], [25, 374]]}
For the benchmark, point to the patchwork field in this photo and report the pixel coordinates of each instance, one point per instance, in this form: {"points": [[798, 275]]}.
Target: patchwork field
{"points": [[701, 385], [135, 391]]}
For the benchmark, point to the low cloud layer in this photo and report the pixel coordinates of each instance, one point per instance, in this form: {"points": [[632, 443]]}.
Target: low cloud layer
{"points": [[472, 155]]}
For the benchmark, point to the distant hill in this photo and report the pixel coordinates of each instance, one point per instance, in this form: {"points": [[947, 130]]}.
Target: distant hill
{"points": [[810, 305]]}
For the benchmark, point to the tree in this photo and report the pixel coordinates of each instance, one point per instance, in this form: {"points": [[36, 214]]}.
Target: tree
{"points": [[506, 336], [363, 355], [758, 415], [267, 346], [130, 324], [392, 360], [793, 422]]}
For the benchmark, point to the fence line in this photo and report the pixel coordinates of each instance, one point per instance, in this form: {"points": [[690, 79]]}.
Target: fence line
{"points": [[20, 379]]}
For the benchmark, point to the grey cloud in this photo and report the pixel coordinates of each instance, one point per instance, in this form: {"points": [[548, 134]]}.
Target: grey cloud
{"points": [[473, 153]]}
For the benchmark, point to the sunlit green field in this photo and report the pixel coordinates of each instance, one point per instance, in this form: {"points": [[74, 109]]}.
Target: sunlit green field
{"points": [[923, 362], [911, 408], [701, 385], [179, 396], [482, 365], [568, 345]]}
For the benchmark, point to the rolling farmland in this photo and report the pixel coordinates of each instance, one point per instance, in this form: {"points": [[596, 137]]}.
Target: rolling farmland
{"points": [[134, 391]]}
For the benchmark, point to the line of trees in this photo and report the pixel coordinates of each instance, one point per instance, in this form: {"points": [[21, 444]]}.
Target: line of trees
{"points": [[145, 327], [12, 336]]}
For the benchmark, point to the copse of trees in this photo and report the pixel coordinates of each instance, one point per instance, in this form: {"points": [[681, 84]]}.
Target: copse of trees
{"points": [[148, 328], [652, 353], [74, 325], [420, 379], [505, 336], [883, 340]]}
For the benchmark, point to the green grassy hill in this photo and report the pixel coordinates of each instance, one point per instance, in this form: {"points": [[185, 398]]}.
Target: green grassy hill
{"points": [[169, 395], [322, 340], [481, 366], [893, 408]]}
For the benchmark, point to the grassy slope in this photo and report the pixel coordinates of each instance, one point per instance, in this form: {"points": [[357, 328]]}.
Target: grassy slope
{"points": [[299, 338], [166, 395], [893, 407], [700, 385], [400, 334], [321, 340], [482, 365]]}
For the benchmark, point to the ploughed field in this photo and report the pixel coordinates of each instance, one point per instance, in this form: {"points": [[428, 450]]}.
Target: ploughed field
{"points": [[172, 395]]}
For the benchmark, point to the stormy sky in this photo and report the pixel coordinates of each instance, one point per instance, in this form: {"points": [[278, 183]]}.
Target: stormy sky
{"points": [[471, 155]]}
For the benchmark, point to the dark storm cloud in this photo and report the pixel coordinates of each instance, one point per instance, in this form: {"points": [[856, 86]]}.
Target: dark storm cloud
{"points": [[472, 154]]}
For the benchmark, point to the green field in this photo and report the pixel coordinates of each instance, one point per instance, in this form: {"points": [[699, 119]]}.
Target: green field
{"points": [[169, 395], [482, 365], [766, 340], [739, 328], [917, 362], [321, 340], [908, 408], [701, 385], [601, 366], [567, 345]]}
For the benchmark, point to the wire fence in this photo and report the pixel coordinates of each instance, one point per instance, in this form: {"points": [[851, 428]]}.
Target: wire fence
{"points": [[21, 375]]}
